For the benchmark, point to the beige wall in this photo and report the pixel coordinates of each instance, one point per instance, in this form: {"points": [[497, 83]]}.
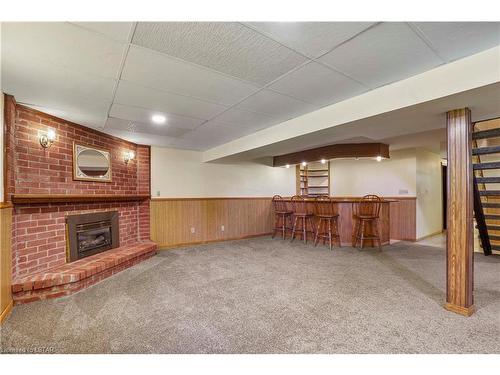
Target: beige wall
{"points": [[390, 177], [410, 172], [429, 193], [182, 174]]}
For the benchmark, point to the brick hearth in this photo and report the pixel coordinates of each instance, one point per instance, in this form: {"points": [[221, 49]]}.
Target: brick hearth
{"points": [[74, 276]]}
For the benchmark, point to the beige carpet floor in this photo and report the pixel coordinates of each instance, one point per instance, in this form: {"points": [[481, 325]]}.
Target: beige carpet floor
{"points": [[267, 296]]}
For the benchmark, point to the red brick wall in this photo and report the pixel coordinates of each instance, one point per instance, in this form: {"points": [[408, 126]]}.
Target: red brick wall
{"points": [[39, 230]]}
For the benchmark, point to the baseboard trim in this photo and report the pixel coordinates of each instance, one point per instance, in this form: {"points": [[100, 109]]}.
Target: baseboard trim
{"points": [[6, 311], [429, 235], [465, 311], [173, 246]]}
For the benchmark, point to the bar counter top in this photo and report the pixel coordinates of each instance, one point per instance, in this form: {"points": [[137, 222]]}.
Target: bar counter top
{"points": [[346, 206]]}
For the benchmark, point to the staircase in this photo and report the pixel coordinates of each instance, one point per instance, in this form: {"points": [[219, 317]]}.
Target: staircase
{"points": [[486, 166]]}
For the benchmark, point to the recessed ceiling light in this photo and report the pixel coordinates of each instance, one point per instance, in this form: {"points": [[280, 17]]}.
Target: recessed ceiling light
{"points": [[379, 158], [158, 119], [304, 163], [287, 166], [323, 161]]}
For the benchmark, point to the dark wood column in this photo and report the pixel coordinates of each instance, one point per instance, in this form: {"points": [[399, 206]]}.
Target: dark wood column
{"points": [[460, 241]]}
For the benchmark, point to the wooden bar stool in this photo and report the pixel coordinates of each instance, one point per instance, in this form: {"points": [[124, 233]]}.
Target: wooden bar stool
{"points": [[366, 216], [326, 212], [302, 217], [282, 216]]}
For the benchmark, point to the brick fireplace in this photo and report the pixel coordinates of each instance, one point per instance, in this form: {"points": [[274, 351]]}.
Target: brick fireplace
{"points": [[40, 183]]}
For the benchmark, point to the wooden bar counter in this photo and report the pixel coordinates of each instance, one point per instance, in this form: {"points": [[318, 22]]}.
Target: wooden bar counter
{"points": [[345, 207]]}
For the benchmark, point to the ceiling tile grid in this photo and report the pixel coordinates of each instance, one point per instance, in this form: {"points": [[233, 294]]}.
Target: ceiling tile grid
{"points": [[386, 53], [312, 39], [227, 47], [216, 81], [159, 71], [314, 83]]}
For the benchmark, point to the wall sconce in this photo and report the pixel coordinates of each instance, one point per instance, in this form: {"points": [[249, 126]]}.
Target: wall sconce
{"points": [[47, 139], [129, 155]]}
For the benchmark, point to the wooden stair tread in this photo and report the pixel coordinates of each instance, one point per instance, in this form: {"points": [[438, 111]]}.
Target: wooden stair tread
{"points": [[491, 133], [488, 180], [489, 193], [486, 150], [490, 165]]}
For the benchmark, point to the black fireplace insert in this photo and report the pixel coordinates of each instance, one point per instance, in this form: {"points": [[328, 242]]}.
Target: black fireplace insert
{"points": [[90, 234]]}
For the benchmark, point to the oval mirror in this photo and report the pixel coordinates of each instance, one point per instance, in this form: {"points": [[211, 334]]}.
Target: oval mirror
{"points": [[92, 164]]}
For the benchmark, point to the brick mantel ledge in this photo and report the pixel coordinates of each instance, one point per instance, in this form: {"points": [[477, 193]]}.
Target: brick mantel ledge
{"points": [[72, 277]]}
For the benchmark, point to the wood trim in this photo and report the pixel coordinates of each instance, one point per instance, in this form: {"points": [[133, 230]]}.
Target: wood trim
{"points": [[5, 261], [170, 247], [466, 311], [206, 198], [460, 240], [6, 312], [76, 198], [5, 205], [430, 235], [343, 150]]}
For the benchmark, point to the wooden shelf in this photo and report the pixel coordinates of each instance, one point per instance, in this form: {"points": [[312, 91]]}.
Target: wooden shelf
{"points": [[316, 174], [76, 198]]}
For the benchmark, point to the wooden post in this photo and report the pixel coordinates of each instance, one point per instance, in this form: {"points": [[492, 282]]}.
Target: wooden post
{"points": [[460, 241]]}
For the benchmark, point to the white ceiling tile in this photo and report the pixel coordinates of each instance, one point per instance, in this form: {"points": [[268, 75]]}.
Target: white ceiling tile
{"points": [[386, 53], [139, 96], [454, 40], [119, 31], [317, 84], [140, 127], [209, 135], [80, 98], [156, 70], [86, 114], [63, 45], [228, 47], [311, 38], [143, 115], [245, 119], [142, 138], [275, 105]]}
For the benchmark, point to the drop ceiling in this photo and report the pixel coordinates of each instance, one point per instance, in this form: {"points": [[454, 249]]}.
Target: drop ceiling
{"points": [[216, 82]]}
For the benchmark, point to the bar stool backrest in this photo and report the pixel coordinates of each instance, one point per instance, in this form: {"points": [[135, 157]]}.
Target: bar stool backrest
{"points": [[299, 205], [323, 205], [370, 205], [279, 204]]}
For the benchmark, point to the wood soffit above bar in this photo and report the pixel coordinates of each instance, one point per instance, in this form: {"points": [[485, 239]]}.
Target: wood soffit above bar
{"points": [[343, 150], [75, 198]]}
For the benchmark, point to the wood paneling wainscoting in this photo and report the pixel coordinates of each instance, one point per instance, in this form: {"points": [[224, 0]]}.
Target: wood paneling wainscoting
{"points": [[5, 260], [403, 218], [172, 219]]}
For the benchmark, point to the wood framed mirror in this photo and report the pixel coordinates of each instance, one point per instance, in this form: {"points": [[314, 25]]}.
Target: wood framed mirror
{"points": [[91, 164]]}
